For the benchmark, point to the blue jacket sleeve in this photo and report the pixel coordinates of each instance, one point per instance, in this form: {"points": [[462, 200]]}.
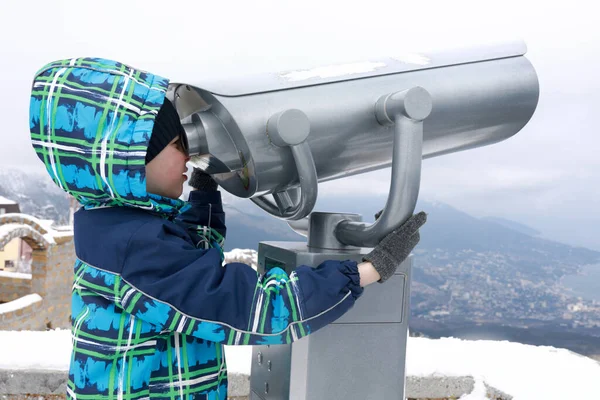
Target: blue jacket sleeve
{"points": [[205, 209], [178, 287]]}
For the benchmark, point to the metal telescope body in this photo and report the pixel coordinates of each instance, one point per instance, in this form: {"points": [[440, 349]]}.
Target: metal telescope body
{"points": [[272, 138]]}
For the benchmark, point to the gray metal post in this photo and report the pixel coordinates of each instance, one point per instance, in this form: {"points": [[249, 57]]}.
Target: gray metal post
{"points": [[359, 356]]}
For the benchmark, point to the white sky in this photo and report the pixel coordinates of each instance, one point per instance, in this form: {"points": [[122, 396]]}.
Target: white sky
{"points": [[522, 371], [546, 176]]}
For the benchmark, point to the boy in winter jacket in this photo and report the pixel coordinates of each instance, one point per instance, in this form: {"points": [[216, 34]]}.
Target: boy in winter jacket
{"points": [[152, 304]]}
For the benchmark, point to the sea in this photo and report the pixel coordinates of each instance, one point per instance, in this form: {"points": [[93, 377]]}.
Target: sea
{"points": [[586, 284]]}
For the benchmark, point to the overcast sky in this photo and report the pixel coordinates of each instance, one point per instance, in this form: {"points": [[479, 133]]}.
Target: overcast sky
{"points": [[547, 176]]}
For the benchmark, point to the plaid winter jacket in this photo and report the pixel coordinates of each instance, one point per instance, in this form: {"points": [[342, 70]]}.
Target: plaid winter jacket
{"points": [[151, 308]]}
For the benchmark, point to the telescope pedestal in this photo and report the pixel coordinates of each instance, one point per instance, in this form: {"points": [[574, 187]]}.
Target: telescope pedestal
{"points": [[359, 356]]}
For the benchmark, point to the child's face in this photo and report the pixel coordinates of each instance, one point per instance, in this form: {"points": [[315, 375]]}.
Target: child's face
{"points": [[165, 174]]}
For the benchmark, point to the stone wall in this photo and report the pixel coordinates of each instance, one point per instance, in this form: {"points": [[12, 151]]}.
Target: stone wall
{"points": [[51, 276], [13, 286], [31, 318]]}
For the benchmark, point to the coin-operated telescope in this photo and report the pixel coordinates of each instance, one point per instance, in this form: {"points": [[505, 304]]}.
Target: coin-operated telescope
{"points": [[273, 138]]}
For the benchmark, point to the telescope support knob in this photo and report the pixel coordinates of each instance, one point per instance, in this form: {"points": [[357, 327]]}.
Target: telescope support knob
{"points": [[414, 103], [291, 128], [288, 128]]}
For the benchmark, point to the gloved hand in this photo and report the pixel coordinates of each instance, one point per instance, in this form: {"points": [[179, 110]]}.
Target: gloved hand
{"points": [[396, 246], [200, 180]]}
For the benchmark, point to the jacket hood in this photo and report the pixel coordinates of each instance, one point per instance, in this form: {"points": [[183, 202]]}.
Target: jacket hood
{"points": [[90, 121]]}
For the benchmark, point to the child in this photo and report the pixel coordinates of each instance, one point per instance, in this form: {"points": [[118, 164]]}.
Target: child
{"points": [[152, 305]]}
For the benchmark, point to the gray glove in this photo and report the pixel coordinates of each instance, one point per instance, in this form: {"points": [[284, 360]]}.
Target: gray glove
{"points": [[396, 246], [200, 180]]}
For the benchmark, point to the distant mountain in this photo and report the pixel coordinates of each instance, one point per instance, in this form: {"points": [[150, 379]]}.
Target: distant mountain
{"points": [[453, 230], [515, 226], [245, 230], [36, 194]]}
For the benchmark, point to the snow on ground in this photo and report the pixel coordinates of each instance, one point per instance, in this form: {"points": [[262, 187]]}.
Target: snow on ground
{"points": [[19, 303], [245, 256], [523, 371], [19, 275]]}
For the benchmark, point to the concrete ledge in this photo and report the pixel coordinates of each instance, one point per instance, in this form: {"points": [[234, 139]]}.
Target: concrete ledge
{"points": [[441, 387], [25, 384], [43, 383], [239, 386], [33, 382], [438, 387]]}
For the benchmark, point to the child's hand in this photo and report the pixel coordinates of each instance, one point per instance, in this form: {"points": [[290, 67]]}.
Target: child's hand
{"points": [[200, 180], [396, 246]]}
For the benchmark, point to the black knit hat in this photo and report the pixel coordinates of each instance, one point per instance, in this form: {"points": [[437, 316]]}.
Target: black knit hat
{"points": [[167, 126]]}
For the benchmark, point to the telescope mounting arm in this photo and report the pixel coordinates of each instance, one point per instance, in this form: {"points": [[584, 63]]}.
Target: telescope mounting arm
{"points": [[291, 128], [406, 111]]}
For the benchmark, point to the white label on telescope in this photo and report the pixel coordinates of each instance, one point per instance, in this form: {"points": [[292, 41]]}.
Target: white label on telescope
{"points": [[332, 71]]}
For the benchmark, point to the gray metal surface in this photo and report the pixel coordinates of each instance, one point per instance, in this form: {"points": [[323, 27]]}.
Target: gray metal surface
{"points": [[300, 226], [340, 353], [321, 229], [271, 372], [369, 341], [211, 144], [400, 62], [294, 254], [476, 104]]}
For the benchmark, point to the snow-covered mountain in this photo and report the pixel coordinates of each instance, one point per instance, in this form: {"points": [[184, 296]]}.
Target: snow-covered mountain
{"points": [[36, 194]]}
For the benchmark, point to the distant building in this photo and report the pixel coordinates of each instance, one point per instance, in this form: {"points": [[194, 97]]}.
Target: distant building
{"points": [[16, 254], [8, 206]]}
